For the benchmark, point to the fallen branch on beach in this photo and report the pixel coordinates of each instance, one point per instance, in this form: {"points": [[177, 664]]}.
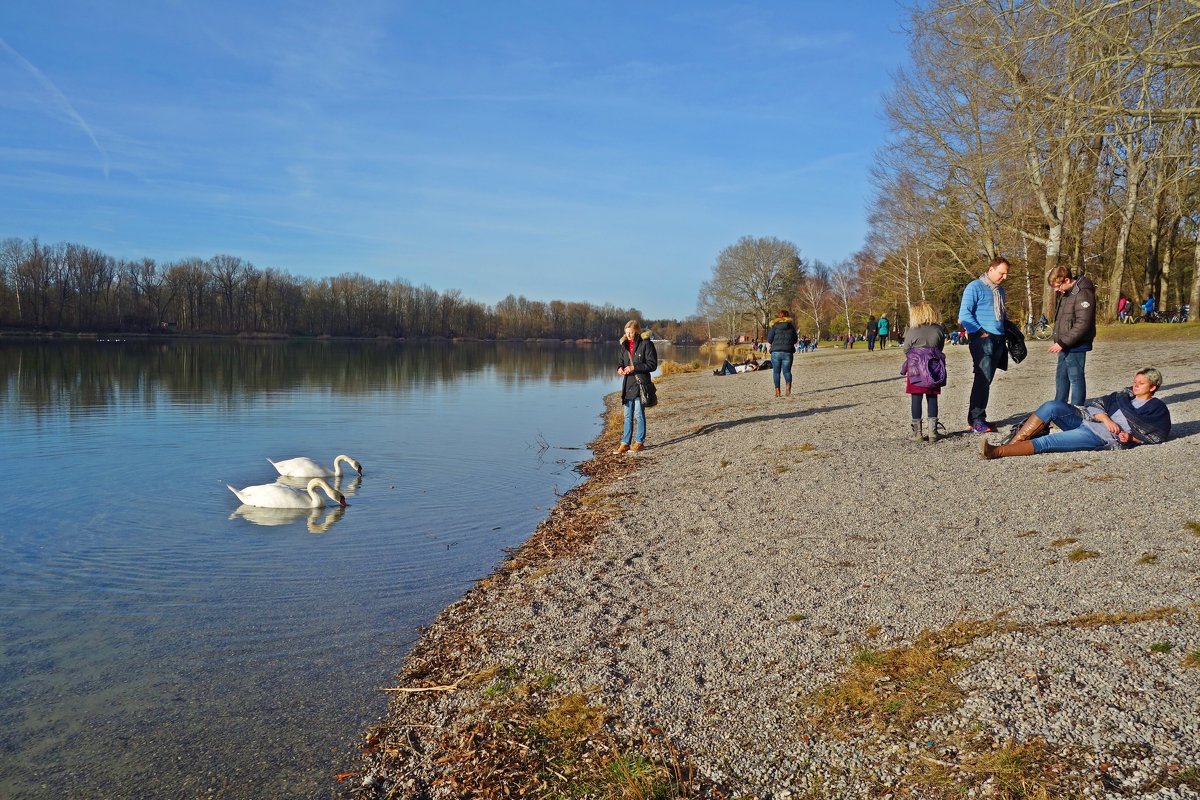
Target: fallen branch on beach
{"points": [[448, 687]]}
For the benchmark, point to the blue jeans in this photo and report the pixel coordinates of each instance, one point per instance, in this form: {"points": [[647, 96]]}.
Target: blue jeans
{"points": [[985, 352], [1068, 377], [781, 361], [634, 407], [1074, 435]]}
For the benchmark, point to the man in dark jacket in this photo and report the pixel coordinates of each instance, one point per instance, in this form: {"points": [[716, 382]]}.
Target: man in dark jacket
{"points": [[1074, 330], [782, 337]]}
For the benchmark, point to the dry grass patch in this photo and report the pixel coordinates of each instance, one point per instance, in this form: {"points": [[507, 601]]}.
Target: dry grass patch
{"points": [[1031, 770], [1065, 466], [1026, 534], [667, 368], [897, 687], [1082, 554], [1192, 659], [1104, 478], [1194, 527], [1147, 558], [1064, 540], [1102, 618]]}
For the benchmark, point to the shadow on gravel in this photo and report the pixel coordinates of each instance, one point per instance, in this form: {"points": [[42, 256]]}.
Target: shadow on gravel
{"points": [[713, 427], [1180, 430], [1179, 398]]}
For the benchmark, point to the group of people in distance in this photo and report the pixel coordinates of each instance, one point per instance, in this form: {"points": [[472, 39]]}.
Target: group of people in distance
{"points": [[1127, 417]]}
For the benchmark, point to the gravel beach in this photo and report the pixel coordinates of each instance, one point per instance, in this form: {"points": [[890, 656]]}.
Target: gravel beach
{"points": [[803, 602]]}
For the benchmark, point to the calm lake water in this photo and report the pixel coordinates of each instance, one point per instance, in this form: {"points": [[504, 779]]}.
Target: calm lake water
{"points": [[157, 642]]}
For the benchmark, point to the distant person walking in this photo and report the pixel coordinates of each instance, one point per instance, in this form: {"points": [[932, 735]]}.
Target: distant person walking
{"points": [[638, 360], [883, 327], [1148, 309], [1074, 331], [982, 316], [872, 332], [924, 365], [783, 338]]}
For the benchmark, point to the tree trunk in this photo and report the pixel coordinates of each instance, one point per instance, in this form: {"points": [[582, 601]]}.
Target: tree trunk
{"points": [[1131, 197], [1194, 297], [1054, 236]]}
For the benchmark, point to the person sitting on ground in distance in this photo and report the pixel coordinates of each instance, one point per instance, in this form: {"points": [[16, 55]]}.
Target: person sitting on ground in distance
{"points": [[1122, 419]]}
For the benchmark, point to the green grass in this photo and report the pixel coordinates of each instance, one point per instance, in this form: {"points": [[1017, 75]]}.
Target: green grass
{"points": [[1160, 647], [1149, 332]]}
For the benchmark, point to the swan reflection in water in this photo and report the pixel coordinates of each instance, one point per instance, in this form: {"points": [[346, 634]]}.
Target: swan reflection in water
{"points": [[286, 516], [346, 487]]}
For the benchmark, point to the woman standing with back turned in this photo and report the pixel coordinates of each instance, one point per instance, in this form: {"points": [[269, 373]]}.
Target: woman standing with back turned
{"points": [[782, 337], [638, 360]]}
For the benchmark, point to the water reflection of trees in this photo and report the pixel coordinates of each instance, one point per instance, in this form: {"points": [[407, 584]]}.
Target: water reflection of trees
{"points": [[85, 375]]}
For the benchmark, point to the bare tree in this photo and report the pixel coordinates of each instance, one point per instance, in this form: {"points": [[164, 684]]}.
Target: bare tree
{"points": [[755, 274], [814, 294]]}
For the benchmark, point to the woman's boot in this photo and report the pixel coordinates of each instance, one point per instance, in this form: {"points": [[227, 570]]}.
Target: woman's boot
{"points": [[990, 451], [788, 391], [777, 391], [1031, 428]]}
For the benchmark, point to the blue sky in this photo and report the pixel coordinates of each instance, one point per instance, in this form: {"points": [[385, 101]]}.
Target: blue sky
{"points": [[595, 151]]}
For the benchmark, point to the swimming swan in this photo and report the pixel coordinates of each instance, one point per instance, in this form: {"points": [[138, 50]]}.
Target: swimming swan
{"points": [[275, 495], [307, 468]]}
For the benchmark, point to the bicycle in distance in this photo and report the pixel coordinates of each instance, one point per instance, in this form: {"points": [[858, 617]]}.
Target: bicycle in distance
{"points": [[1041, 329]]}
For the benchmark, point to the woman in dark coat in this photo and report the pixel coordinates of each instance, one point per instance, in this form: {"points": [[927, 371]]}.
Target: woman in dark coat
{"points": [[638, 360], [783, 338]]}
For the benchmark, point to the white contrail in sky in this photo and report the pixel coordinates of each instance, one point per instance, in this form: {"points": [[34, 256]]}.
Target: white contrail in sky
{"points": [[59, 98]]}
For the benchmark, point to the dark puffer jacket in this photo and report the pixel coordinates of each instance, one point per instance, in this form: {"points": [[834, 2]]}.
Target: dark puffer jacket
{"points": [[1075, 316], [782, 336], [645, 361]]}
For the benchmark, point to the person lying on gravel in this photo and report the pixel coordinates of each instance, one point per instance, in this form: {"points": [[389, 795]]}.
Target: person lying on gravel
{"points": [[749, 365], [1122, 419]]}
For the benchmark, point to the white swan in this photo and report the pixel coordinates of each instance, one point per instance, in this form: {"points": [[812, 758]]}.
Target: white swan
{"points": [[307, 468], [275, 495]]}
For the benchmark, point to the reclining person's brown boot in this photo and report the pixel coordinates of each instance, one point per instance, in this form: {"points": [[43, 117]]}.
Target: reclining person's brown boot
{"points": [[990, 451], [1031, 428]]}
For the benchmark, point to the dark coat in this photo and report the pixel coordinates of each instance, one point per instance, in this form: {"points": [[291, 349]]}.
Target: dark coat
{"points": [[782, 336], [645, 361], [1075, 316], [1151, 423]]}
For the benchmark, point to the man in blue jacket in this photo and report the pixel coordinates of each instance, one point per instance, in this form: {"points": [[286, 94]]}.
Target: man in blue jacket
{"points": [[981, 314]]}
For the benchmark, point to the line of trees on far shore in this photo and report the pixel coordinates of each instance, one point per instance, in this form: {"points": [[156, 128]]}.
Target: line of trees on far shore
{"points": [[72, 287]]}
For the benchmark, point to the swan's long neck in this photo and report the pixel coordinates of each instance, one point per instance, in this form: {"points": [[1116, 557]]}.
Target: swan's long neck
{"points": [[319, 483], [337, 464]]}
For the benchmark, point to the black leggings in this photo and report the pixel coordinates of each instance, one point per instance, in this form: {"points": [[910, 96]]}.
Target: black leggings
{"points": [[931, 399]]}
